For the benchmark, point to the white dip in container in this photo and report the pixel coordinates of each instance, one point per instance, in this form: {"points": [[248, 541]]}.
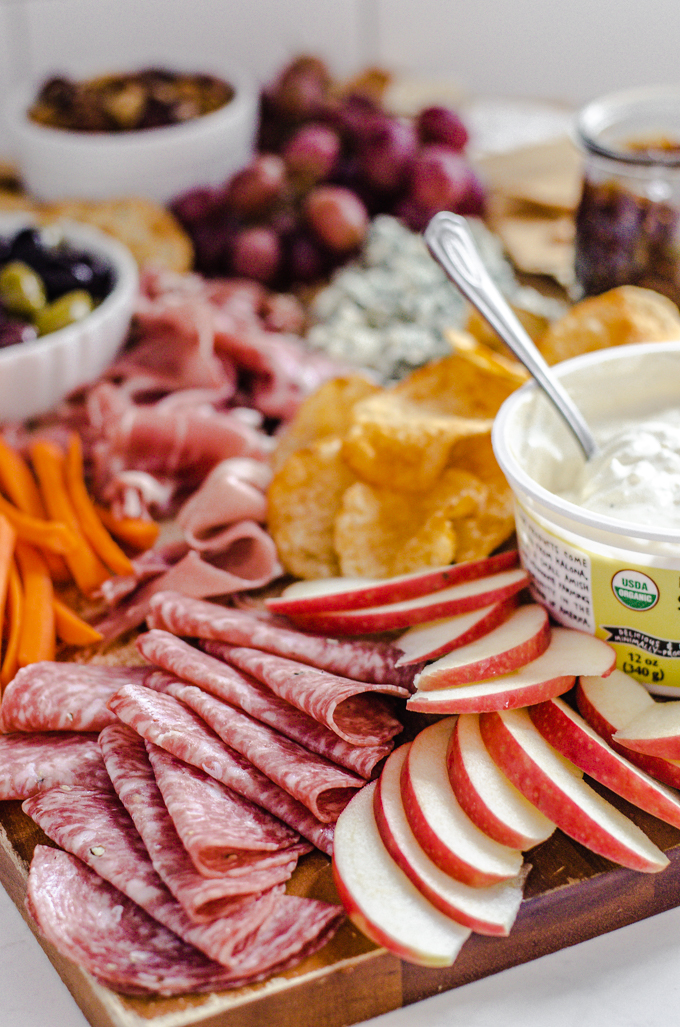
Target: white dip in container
{"points": [[602, 540]]}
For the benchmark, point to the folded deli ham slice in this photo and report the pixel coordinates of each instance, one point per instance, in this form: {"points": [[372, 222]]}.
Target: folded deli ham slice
{"points": [[226, 682], [203, 898], [52, 696], [356, 711], [95, 827], [362, 660], [171, 725], [30, 763], [223, 833]]}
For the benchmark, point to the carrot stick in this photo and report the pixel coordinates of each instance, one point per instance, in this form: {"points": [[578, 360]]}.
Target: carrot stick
{"points": [[90, 523], [13, 622], [136, 532], [53, 535], [71, 628], [48, 462], [8, 537], [37, 638]]}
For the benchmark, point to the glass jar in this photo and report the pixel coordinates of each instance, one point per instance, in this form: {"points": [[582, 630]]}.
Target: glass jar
{"points": [[628, 219]]}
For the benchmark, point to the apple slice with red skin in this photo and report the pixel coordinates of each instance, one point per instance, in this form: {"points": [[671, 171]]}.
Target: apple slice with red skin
{"points": [[378, 896], [539, 772], [654, 731], [441, 827], [608, 704], [486, 794], [519, 640], [569, 654], [571, 735], [460, 598], [433, 639], [331, 594], [490, 910]]}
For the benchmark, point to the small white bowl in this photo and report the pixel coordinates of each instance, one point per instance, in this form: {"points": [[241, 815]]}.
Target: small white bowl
{"points": [[35, 376], [157, 163]]}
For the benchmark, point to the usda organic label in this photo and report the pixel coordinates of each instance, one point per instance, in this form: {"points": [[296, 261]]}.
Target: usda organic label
{"points": [[634, 590]]}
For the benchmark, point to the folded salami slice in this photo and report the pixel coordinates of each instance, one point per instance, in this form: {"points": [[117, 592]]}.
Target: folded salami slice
{"points": [[361, 659], [352, 709], [95, 925], [203, 898], [242, 690], [177, 729], [95, 827], [224, 834], [30, 763], [324, 788], [52, 696]]}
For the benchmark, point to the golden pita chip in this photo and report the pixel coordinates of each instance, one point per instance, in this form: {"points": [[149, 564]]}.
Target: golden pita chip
{"points": [[327, 411], [379, 532], [303, 500]]}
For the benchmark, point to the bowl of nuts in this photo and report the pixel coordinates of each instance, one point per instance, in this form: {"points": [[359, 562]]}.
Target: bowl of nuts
{"points": [[67, 295], [153, 133]]}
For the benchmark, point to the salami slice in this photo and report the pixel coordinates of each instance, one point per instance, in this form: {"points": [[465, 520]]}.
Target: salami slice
{"points": [[52, 696], [242, 690], [95, 827], [30, 763], [361, 659], [95, 925], [203, 898], [223, 833], [324, 788], [177, 729], [349, 708]]}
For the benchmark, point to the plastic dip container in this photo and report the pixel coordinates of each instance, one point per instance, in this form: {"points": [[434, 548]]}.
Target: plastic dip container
{"points": [[598, 573]]}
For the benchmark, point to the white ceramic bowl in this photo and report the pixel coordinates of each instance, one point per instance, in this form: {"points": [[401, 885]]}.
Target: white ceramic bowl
{"points": [[36, 375], [158, 163]]}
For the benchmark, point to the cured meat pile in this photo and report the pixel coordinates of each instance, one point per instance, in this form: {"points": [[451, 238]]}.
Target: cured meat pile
{"points": [[183, 793]]}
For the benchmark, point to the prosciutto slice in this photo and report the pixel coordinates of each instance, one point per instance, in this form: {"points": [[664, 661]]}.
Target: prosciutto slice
{"points": [[362, 660], [233, 491], [171, 725], [95, 827], [324, 788], [52, 696], [31, 763], [203, 898], [225, 682]]}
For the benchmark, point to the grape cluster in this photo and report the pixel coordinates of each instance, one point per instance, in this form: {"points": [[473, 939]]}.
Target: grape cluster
{"points": [[327, 161]]}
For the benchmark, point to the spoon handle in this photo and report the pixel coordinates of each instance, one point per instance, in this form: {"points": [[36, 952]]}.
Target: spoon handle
{"points": [[451, 243]]}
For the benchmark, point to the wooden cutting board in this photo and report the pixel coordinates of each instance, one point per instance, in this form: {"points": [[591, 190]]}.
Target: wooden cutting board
{"points": [[571, 895]]}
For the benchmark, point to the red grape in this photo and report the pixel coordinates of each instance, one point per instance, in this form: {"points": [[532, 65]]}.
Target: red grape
{"points": [[195, 206], [388, 154], [305, 260], [256, 253], [312, 152], [300, 91], [337, 217], [440, 178], [441, 125], [257, 187]]}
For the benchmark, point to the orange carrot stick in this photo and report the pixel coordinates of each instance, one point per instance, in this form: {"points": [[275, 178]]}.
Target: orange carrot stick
{"points": [[37, 637], [71, 628], [13, 622], [53, 535], [90, 524], [48, 462], [8, 537], [136, 532]]}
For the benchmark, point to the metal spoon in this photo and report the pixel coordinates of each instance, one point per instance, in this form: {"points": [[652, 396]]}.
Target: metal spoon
{"points": [[451, 243]]}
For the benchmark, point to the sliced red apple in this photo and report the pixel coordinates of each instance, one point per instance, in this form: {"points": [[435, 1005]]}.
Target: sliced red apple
{"points": [[469, 595], [571, 735], [608, 704], [522, 638], [654, 731], [326, 594], [490, 910], [534, 766], [380, 899], [569, 654], [485, 793], [433, 639], [442, 828]]}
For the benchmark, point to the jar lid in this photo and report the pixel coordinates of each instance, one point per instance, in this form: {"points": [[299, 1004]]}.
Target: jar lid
{"points": [[638, 126]]}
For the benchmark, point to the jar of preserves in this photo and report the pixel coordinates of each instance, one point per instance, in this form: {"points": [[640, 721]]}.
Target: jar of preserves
{"points": [[628, 219]]}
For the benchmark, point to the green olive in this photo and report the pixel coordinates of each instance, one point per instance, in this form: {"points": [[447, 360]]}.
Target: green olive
{"points": [[21, 289], [72, 306]]}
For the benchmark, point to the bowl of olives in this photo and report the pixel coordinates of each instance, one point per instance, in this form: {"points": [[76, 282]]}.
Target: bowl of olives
{"points": [[67, 294]]}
